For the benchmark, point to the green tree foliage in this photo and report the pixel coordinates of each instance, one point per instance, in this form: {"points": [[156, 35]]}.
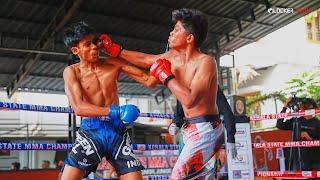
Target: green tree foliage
{"points": [[306, 85]]}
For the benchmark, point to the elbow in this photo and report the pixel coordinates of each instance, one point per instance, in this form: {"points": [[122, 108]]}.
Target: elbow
{"points": [[188, 102], [151, 84], [78, 111]]}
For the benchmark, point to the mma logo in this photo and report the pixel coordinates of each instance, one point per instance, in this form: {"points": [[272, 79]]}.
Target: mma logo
{"points": [[87, 149]]}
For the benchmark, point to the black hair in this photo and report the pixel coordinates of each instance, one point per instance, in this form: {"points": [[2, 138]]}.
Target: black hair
{"points": [[74, 33], [16, 165], [309, 102], [193, 21]]}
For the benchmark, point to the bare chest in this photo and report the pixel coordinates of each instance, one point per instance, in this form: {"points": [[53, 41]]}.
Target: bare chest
{"points": [[184, 72], [98, 80]]}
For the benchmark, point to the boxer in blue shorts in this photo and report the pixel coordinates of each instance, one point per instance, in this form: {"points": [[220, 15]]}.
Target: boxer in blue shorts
{"points": [[91, 88]]}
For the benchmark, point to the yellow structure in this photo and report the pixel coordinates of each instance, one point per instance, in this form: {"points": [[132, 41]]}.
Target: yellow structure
{"points": [[313, 26]]}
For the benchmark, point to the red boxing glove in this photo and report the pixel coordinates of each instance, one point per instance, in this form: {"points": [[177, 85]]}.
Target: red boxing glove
{"points": [[161, 69], [112, 49]]}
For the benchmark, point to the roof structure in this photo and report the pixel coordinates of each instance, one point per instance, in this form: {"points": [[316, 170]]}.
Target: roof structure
{"points": [[32, 55]]}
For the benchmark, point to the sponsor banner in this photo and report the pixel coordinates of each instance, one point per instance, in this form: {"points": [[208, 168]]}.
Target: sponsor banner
{"points": [[289, 174], [285, 115], [287, 144], [23, 146], [161, 159], [264, 156]]}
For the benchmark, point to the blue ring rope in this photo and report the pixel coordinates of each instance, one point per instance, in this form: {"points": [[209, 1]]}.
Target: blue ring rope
{"points": [[57, 109], [64, 147]]}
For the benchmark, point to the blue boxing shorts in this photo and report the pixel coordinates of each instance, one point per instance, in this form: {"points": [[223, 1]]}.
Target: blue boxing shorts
{"points": [[98, 138]]}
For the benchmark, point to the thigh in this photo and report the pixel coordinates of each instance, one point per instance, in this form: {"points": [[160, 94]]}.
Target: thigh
{"points": [[202, 141], [132, 175], [72, 173], [122, 158], [86, 152]]}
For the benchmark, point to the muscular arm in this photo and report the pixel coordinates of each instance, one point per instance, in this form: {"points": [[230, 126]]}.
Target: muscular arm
{"points": [[74, 93], [139, 59], [188, 96], [136, 73]]}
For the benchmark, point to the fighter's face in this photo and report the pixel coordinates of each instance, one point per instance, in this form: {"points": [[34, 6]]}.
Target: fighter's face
{"points": [[178, 36], [87, 49]]}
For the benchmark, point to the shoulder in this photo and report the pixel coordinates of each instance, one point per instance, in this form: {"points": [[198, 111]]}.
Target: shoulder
{"points": [[169, 55], [70, 72], [207, 61], [71, 69]]}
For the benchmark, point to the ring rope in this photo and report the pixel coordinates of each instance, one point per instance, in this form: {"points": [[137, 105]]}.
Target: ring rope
{"points": [[63, 147], [57, 109], [285, 115], [315, 143], [147, 147]]}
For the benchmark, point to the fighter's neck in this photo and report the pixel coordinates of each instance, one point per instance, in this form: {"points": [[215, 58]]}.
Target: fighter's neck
{"points": [[88, 65], [189, 53]]}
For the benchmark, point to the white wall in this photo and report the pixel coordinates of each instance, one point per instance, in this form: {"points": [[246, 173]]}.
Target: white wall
{"points": [[33, 159]]}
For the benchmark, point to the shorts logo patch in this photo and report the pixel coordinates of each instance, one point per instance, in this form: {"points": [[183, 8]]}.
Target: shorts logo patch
{"points": [[87, 148], [133, 163], [126, 150], [84, 152]]}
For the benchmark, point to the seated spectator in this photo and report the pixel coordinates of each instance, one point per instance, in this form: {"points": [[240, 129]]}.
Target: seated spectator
{"points": [[15, 166], [59, 164], [45, 164], [308, 129]]}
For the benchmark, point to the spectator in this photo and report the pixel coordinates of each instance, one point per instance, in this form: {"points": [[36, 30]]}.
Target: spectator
{"points": [[59, 164], [308, 129], [15, 166], [45, 164]]}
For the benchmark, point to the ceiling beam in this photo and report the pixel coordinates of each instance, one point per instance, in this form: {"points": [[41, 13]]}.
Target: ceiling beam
{"points": [[62, 16], [313, 4], [240, 28], [32, 75], [21, 21], [21, 58], [36, 75], [27, 38], [34, 51], [210, 15], [264, 3]]}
